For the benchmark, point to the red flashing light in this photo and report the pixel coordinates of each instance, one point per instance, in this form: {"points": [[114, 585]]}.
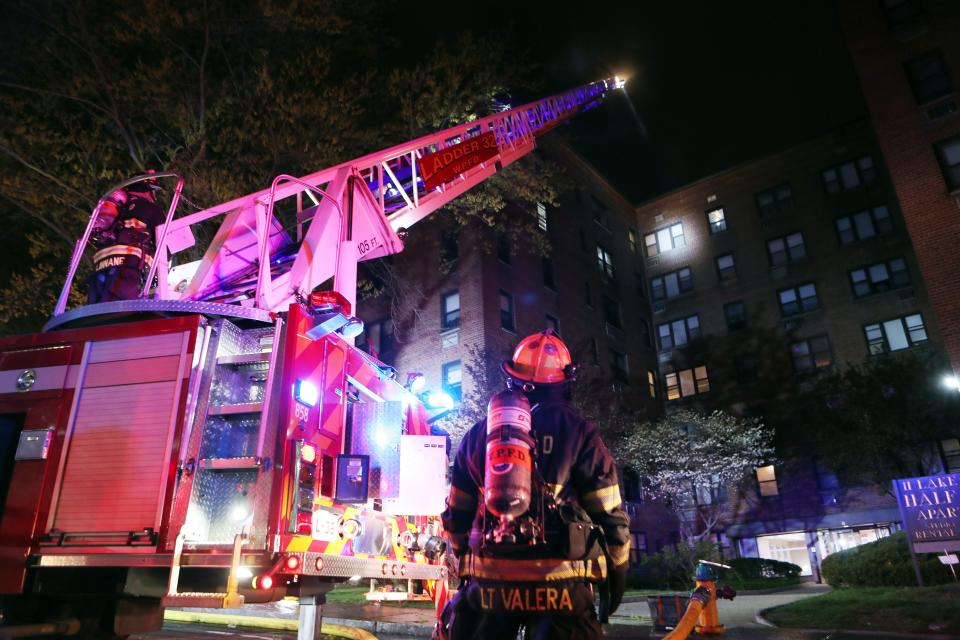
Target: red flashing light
{"points": [[308, 453], [330, 300], [292, 563], [263, 582]]}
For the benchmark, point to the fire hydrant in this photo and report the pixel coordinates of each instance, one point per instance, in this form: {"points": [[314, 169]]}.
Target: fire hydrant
{"points": [[709, 621]]}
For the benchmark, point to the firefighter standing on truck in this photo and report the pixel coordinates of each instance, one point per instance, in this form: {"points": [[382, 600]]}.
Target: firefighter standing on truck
{"points": [[542, 580], [124, 234]]}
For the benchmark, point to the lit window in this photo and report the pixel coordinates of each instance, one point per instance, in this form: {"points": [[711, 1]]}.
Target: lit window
{"points": [[798, 299], [671, 285], [553, 323], [632, 240], [767, 481], [773, 200], [789, 248], [864, 224], [896, 334], [506, 311], [716, 220], [736, 315], [604, 262], [811, 354], [450, 313], [878, 277], [542, 216], [948, 152], [686, 383], [678, 332], [548, 280], [726, 267], [618, 363], [453, 380], [663, 240], [652, 384], [929, 77], [849, 175]]}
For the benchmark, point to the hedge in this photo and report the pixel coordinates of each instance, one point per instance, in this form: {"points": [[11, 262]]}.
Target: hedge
{"points": [[884, 563]]}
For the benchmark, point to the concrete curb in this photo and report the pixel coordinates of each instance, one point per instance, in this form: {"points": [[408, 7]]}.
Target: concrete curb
{"points": [[260, 622], [761, 618]]}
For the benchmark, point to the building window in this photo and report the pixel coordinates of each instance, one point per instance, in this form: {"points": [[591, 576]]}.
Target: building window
{"points": [[746, 368], [542, 216], [950, 449], [449, 247], [774, 200], [379, 339], [789, 248], [948, 152], [632, 240], [716, 220], [849, 175], [644, 329], [618, 362], [864, 225], [663, 240], [901, 12], [678, 332], [548, 280], [507, 320], [829, 485], [736, 315], [450, 310], [652, 384], [878, 277], [896, 334], [726, 268], [639, 545], [503, 248], [611, 311], [798, 299], [686, 383], [553, 323], [671, 285], [929, 77], [767, 481], [453, 380], [811, 354], [604, 262]]}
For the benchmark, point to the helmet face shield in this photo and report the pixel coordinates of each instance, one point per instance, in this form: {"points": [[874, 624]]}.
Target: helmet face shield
{"points": [[539, 359]]}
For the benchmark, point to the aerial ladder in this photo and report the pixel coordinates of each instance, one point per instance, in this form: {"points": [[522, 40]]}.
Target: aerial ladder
{"points": [[211, 442]]}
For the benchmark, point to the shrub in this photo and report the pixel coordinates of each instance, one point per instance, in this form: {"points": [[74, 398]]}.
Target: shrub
{"points": [[671, 569], [885, 563]]}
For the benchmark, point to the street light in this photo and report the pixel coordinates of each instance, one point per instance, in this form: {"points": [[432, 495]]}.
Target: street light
{"points": [[951, 382]]}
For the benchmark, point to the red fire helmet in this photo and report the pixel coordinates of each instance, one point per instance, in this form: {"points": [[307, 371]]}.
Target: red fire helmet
{"points": [[541, 358]]}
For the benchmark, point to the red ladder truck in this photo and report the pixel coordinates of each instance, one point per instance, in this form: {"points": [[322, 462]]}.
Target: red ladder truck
{"points": [[219, 440]]}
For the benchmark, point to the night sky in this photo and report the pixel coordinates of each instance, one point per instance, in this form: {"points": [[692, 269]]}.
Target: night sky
{"points": [[713, 84]]}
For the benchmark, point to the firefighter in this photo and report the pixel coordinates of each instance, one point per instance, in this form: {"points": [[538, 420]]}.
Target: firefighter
{"points": [[547, 589], [124, 234]]}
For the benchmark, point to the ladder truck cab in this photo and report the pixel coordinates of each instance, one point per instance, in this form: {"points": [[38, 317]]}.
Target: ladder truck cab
{"points": [[218, 440]]}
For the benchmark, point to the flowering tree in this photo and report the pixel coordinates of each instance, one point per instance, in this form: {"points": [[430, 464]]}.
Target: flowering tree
{"points": [[689, 459]]}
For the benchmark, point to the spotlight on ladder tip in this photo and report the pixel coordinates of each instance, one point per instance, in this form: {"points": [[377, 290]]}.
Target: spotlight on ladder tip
{"points": [[439, 400]]}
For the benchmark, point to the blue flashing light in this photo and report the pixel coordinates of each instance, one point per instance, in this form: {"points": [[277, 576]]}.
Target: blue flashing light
{"points": [[439, 400], [304, 391]]}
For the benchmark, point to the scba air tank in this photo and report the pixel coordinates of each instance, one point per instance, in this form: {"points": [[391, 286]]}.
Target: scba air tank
{"points": [[509, 462]]}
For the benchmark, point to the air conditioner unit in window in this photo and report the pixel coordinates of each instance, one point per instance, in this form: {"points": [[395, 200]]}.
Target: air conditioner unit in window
{"points": [[659, 307], [653, 262], [778, 272], [941, 110], [907, 295]]}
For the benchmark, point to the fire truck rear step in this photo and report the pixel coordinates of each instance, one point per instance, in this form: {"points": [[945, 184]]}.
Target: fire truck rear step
{"points": [[229, 600]]}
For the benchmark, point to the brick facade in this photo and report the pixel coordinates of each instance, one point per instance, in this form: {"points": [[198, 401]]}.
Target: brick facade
{"points": [[909, 124]]}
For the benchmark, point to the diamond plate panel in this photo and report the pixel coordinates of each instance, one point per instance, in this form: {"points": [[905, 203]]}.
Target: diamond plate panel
{"points": [[333, 565], [376, 428], [175, 306], [221, 506]]}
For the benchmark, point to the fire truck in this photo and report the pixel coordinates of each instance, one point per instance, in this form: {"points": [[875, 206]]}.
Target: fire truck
{"points": [[219, 440]]}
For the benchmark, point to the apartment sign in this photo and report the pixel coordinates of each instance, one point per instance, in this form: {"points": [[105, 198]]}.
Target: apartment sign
{"points": [[930, 507]]}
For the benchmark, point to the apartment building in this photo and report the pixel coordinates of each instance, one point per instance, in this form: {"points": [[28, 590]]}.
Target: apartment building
{"points": [[907, 56], [759, 277]]}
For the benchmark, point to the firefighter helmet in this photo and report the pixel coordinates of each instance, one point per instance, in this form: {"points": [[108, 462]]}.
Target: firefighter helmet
{"points": [[541, 358]]}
